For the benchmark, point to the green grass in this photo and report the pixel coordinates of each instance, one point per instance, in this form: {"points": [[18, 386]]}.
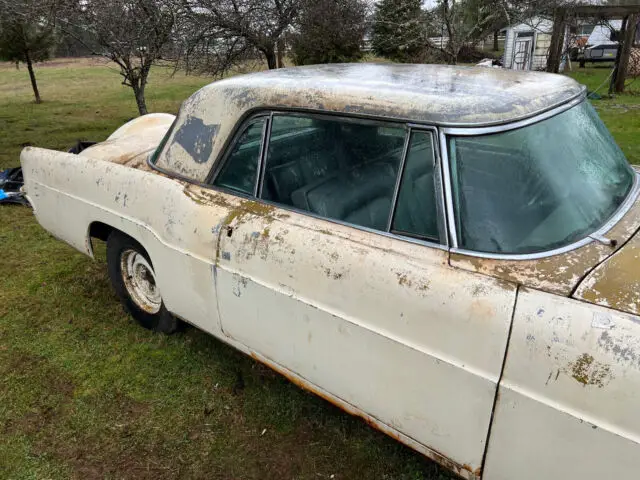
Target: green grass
{"points": [[85, 393], [621, 114]]}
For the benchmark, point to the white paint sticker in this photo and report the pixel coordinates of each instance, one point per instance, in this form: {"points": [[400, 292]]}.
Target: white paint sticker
{"points": [[602, 320]]}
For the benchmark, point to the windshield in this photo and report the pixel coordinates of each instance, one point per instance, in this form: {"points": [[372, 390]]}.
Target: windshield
{"points": [[539, 187]]}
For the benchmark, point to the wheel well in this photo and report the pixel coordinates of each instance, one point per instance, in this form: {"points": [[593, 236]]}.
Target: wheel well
{"points": [[100, 230]]}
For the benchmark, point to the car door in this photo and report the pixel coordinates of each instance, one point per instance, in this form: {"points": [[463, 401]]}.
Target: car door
{"points": [[337, 275]]}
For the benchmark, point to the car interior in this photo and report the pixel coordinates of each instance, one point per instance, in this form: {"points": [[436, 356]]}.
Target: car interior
{"points": [[345, 171], [501, 197]]}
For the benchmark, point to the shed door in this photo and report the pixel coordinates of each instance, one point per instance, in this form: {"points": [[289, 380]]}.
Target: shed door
{"points": [[380, 322], [523, 46]]}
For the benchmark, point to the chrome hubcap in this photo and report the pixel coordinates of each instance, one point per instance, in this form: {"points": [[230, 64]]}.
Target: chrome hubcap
{"points": [[140, 281]]}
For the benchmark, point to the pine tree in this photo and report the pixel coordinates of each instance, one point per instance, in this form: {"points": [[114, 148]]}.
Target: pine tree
{"points": [[399, 31], [329, 31]]}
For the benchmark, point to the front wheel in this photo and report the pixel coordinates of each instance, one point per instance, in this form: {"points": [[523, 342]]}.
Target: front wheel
{"points": [[134, 281]]}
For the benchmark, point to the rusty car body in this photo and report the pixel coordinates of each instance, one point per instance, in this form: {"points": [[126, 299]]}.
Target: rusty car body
{"points": [[450, 253]]}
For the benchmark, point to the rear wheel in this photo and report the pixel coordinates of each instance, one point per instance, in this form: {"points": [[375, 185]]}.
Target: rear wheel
{"points": [[134, 281]]}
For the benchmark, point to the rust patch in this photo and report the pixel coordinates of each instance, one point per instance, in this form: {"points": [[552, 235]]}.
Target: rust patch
{"points": [[465, 471], [403, 279], [207, 197], [558, 274], [482, 308], [616, 283], [333, 274], [587, 371]]}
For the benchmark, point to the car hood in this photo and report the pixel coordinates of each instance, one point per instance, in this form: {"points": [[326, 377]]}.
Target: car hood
{"points": [[615, 283]]}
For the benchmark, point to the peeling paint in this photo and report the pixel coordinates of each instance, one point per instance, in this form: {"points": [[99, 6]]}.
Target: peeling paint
{"points": [[196, 138], [587, 371], [562, 273], [417, 93], [616, 282]]}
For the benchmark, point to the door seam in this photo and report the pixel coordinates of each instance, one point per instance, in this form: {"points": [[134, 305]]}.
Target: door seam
{"points": [[497, 394]]}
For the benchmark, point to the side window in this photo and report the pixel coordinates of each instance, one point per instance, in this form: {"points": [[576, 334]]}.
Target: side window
{"points": [[416, 211], [241, 166], [337, 168]]}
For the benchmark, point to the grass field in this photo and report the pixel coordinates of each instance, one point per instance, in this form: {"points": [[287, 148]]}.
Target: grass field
{"points": [[87, 394]]}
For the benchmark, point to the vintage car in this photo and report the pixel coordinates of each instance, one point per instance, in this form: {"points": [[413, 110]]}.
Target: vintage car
{"points": [[448, 252]]}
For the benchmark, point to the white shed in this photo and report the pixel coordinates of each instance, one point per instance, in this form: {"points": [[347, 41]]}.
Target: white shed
{"points": [[526, 45]]}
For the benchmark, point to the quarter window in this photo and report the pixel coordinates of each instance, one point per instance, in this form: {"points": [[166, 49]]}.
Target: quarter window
{"points": [[416, 212], [241, 167]]}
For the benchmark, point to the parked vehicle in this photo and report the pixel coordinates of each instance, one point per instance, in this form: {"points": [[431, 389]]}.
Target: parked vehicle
{"points": [[450, 253], [601, 53]]}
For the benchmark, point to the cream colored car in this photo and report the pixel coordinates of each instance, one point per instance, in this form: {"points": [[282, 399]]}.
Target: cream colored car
{"points": [[448, 252]]}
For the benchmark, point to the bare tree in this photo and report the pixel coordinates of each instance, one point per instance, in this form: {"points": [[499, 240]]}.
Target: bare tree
{"points": [[26, 34], [226, 31], [132, 33], [465, 22]]}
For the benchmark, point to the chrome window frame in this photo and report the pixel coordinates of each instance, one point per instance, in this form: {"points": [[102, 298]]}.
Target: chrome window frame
{"points": [[235, 139], [437, 180], [445, 132], [446, 213], [442, 244]]}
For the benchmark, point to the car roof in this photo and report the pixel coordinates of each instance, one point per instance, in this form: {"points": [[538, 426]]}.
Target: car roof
{"points": [[440, 94], [430, 94]]}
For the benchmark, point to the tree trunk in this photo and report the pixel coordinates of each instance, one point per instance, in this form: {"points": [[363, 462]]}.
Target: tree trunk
{"points": [[281, 53], [557, 41], [270, 55], [495, 40], [138, 91], [628, 35], [32, 76], [17, 64]]}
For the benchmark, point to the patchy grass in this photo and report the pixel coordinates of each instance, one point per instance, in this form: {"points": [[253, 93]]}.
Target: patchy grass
{"points": [[621, 114], [85, 393]]}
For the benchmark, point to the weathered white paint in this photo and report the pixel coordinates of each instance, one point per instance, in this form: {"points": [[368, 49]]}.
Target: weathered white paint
{"points": [[419, 93], [381, 318], [70, 192], [406, 336], [568, 400], [386, 325]]}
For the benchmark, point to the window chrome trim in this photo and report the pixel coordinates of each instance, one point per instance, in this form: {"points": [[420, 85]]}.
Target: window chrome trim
{"points": [[443, 224], [448, 183], [242, 127], [448, 193], [262, 159], [608, 225], [396, 188], [515, 125], [437, 180], [307, 213]]}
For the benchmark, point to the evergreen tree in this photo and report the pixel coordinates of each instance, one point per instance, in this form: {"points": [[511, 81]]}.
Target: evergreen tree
{"points": [[329, 31], [399, 31]]}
